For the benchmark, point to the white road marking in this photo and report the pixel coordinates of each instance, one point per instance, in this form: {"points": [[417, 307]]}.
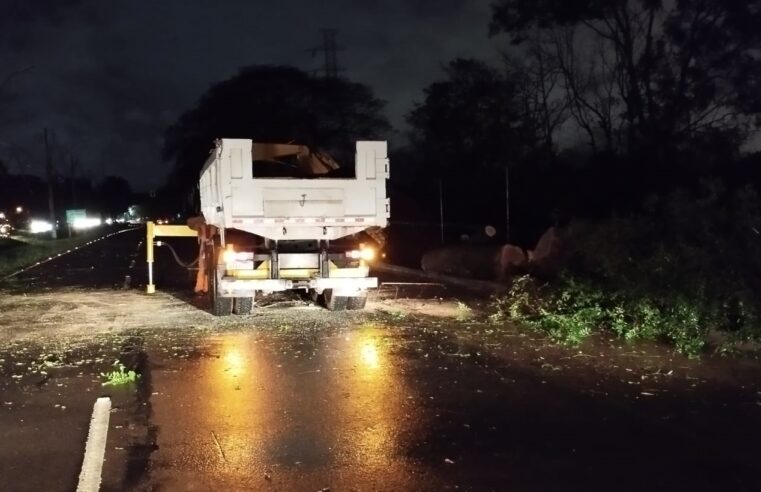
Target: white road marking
{"points": [[17, 272], [95, 450]]}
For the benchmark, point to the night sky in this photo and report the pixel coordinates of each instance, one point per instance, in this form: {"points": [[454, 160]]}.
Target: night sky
{"points": [[108, 77]]}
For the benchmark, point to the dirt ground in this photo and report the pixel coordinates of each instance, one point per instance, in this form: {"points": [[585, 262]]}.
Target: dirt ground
{"points": [[82, 313]]}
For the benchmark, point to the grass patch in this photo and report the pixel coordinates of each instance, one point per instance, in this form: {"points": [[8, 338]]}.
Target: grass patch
{"points": [[21, 251], [464, 312], [120, 376]]}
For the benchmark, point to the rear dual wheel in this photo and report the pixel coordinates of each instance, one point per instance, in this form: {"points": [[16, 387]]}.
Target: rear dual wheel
{"points": [[341, 303], [243, 305], [220, 306], [333, 302], [314, 296], [356, 303], [224, 306]]}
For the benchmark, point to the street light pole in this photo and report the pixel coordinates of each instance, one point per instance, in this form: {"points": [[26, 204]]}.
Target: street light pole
{"points": [[49, 175]]}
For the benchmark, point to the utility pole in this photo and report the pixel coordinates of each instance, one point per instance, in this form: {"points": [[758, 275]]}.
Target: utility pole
{"points": [[72, 183], [507, 205], [330, 49], [49, 175], [441, 209], [72, 177]]}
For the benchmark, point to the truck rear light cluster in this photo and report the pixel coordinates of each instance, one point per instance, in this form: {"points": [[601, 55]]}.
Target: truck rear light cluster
{"points": [[231, 256], [364, 253]]}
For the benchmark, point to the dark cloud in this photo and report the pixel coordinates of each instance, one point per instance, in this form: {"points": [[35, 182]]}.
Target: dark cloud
{"points": [[26, 12], [18, 17], [110, 76]]}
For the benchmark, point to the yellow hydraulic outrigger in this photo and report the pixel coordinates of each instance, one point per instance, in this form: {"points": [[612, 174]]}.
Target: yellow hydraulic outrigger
{"points": [[154, 230]]}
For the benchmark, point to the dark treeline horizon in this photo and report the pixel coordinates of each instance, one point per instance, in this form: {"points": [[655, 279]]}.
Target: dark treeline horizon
{"points": [[594, 108]]}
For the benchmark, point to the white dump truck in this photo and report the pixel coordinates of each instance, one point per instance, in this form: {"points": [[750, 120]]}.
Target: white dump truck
{"points": [[261, 232]]}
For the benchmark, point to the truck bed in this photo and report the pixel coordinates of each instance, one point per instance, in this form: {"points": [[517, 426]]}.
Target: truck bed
{"points": [[294, 209]]}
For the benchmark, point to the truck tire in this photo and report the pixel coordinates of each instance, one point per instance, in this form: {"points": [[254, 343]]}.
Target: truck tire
{"points": [[334, 303], [243, 305], [314, 296], [356, 303], [220, 306]]}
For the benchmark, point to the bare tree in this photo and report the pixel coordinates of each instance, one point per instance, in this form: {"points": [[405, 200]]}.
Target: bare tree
{"points": [[538, 79], [648, 77]]}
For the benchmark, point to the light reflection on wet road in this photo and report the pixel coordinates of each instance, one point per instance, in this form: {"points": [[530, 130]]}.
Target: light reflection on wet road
{"points": [[300, 416]]}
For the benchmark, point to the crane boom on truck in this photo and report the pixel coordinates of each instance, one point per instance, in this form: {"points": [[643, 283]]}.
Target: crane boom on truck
{"points": [[259, 235]]}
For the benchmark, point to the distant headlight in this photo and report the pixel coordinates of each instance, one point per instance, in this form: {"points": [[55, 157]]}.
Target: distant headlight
{"points": [[85, 222], [40, 226]]}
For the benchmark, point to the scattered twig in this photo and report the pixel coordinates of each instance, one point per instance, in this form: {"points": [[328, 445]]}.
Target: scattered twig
{"points": [[219, 447]]}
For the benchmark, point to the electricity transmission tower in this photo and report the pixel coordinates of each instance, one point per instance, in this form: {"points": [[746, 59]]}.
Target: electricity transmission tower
{"points": [[330, 50]]}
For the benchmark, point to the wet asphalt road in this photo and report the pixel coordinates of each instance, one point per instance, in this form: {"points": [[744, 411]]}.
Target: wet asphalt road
{"points": [[116, 262], [332, 401]]}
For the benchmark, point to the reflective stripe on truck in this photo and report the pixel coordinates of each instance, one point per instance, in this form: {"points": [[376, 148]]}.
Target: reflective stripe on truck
{"points": [[305, 220]]}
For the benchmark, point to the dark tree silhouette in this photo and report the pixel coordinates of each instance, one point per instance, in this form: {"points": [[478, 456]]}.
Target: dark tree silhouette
{"points": [[682, 71], [473, 120], [274, 104], [114, 195], [469, 129]]}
